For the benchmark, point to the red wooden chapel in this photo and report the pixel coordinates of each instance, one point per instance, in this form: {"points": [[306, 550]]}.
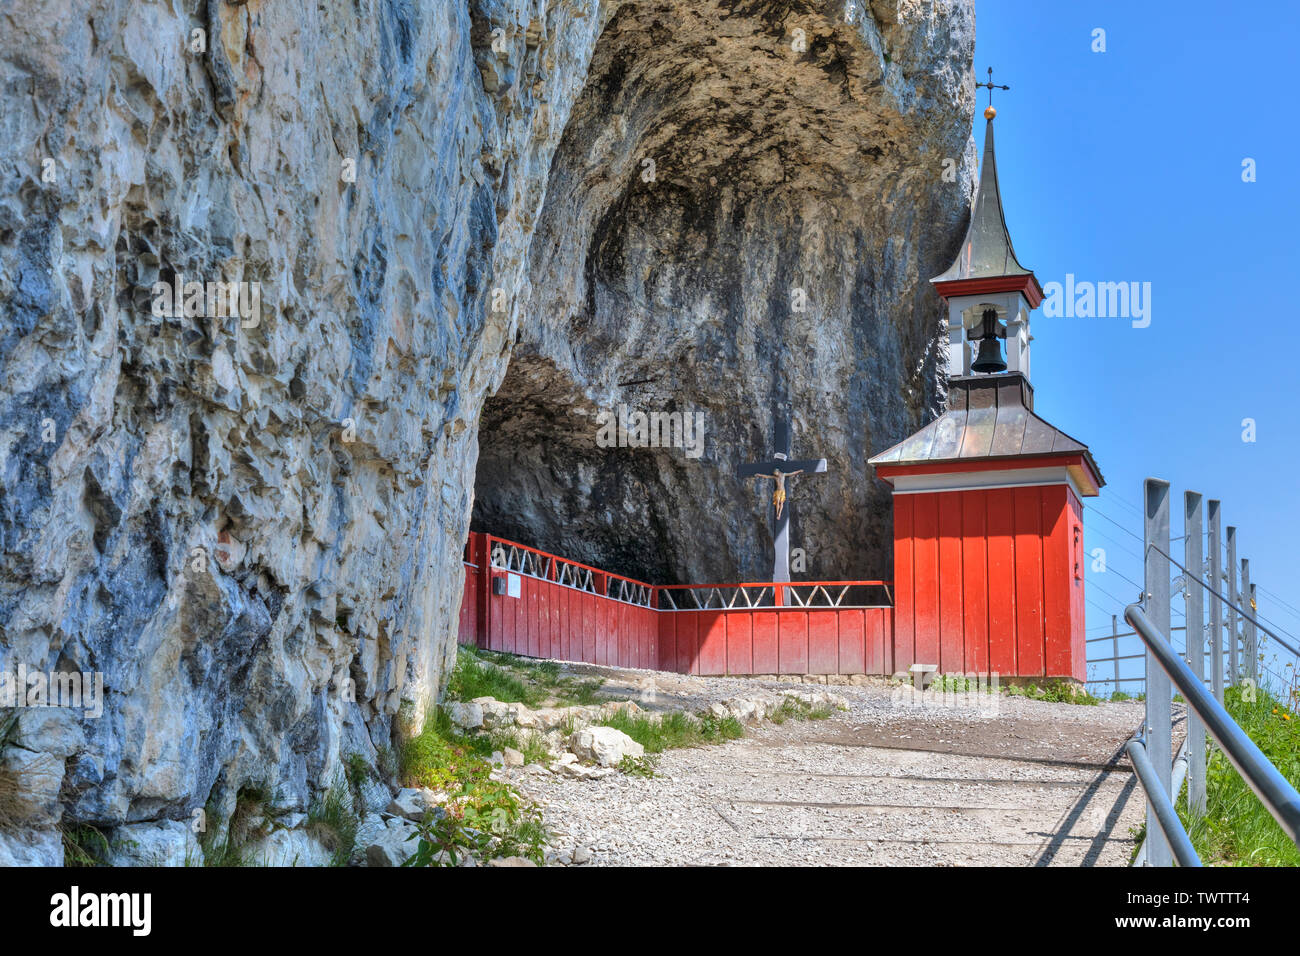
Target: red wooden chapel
{"points": [[988, 498]]}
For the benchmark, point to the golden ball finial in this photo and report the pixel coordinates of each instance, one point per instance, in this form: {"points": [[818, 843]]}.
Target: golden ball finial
{"points": [[990, 112]]}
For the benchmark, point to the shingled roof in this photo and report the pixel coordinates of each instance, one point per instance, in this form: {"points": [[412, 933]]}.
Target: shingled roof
{"points": [[989, 417]]}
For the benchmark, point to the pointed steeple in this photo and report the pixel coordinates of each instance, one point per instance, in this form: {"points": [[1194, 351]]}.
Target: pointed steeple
{"points": [[987, 260], [989, 294]]}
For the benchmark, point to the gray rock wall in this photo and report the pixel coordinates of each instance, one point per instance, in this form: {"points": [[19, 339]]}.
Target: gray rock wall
{"points": [[252, 527]]}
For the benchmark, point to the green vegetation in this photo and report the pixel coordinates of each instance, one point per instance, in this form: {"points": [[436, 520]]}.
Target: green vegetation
{"points": [[334, 819], [959, 684], [637, 766], [85, 846], [674, 729], [517, 680], [1237, 830], [792, 708], [249, 821], [1055, 692], [471, 679], [478, 746], [482, 816]]}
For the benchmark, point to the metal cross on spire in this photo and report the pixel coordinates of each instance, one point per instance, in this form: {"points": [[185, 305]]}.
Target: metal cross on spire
{"points": [[990, 86], [780, 467]]}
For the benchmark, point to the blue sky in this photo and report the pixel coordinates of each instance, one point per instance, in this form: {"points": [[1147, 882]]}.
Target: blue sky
{"points": [[1127, 166]]}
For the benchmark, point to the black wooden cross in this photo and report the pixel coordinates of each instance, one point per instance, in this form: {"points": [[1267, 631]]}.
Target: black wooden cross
{"points": [[780, 468]]}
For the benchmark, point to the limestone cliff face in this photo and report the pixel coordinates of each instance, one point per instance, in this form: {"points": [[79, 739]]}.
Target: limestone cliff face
{"points": [[252, 525]]}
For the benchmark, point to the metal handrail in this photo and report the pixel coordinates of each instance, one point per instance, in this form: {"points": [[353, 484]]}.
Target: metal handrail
{"points": [[1273, 790], [1179, 842]]}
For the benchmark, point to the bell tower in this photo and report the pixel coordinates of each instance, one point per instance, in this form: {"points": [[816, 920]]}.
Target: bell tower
{"points": [[988, 497], [988, 292]]}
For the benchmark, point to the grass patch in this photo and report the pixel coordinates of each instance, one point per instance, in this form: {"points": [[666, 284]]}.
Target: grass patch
{"points": [[85, 845], [959, 684], [1055, 692], [1236, 829], [526, 681], [534, 749], [249, 821], [482, 816], [472, 679], [797, 709], [793, 708], [1120, 695], [675, 729], [334, 819]]}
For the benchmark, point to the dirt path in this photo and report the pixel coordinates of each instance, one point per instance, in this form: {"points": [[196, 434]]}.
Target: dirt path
{"points": [[888, 782]]}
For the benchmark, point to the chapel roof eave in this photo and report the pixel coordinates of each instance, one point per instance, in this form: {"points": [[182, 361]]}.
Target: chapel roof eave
{"points": [[989, 424]]}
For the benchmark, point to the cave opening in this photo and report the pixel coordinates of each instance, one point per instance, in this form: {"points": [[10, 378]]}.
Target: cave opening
{"points": [[738, 231], [554, 474]]}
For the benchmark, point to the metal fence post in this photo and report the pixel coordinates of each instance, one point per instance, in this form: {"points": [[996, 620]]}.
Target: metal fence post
{"points": [[1250, 665], [1216, 606], [1114, 646], [1194, 604], [1234, 675], [1156, 600]]}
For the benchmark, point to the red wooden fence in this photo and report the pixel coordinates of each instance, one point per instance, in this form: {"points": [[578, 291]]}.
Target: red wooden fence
{"points": [[566, 610]]}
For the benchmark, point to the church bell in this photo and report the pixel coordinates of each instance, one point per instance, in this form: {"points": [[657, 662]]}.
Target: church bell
{"points": [[989, 357]]}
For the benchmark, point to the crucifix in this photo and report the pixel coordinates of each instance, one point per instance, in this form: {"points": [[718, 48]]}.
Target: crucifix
{"points": [[990, 86], [780, 468]]}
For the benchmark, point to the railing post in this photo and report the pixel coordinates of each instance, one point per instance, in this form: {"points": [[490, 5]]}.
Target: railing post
{"points": [[1216, 606], [1156, 601], [1249, 665], [1194, 604], [1114, 645], [1234, 675]]}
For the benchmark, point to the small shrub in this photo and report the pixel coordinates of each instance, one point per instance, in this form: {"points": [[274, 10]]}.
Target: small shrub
{"points": [[637, 766], [482, 816], [355, 768]]}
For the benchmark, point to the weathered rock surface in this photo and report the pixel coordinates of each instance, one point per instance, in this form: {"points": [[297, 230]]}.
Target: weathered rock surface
{"points": [[388, 843], [779, 256], [606, 746], [31, 848], [163, 843], [252, 526], [289, 848]]}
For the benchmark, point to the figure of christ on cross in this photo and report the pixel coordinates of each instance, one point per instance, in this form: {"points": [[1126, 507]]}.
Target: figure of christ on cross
{"points": [[778, 494], [779, 468]]}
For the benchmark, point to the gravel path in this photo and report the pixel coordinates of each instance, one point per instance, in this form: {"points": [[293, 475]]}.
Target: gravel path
{"points": [[890, 781]]}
